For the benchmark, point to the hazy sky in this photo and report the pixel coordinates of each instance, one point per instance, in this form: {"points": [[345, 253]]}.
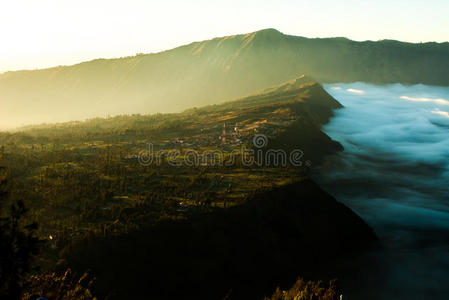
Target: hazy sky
{"points": [[36, 34]]}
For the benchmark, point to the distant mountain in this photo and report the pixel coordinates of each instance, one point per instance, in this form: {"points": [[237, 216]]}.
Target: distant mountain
{"points": [[209, 72]]}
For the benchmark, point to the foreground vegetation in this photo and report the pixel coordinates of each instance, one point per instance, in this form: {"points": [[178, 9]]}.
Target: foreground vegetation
{"points": [[303, 290]]}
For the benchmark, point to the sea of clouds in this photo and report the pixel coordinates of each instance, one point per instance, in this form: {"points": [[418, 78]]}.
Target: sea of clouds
{"points": [[394, 172], [397, 138]]}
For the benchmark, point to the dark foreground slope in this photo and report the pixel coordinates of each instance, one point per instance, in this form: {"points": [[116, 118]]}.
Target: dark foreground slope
{"points": [[213, 70], [243, 252]]}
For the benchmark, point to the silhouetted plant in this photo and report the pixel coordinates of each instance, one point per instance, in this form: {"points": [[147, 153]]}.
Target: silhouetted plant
{"points": [[18, 244], [309, 290], [60, 287]]}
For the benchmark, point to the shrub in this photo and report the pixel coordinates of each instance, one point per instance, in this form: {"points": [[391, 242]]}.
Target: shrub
{"points": [[309, 290]]}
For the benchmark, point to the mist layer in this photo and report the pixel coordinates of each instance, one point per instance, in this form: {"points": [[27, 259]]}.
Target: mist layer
{"points": [[394, 172]]}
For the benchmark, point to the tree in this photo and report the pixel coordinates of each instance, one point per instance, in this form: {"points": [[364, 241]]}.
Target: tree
{"points": [[18, 244]]}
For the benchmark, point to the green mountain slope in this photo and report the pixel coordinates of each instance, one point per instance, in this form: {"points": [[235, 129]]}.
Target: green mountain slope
{"points": [[209, 72], [213, 231], [290, 114]]}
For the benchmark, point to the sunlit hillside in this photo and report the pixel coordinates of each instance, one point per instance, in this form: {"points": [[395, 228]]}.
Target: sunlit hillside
{"points": [[209, 72]]}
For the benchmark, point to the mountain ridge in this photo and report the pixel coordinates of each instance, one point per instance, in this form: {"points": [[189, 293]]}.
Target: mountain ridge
{"points": [[261, 31], [343, 38], [209, 72]]}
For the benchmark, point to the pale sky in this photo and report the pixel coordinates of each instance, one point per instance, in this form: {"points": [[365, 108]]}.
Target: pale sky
{"points": [[45, 33]]}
